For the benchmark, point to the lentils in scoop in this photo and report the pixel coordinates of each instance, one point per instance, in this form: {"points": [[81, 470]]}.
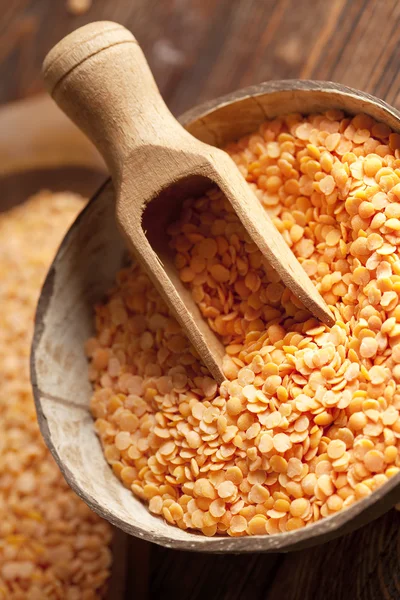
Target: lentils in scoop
{"points": [[307, 421]]}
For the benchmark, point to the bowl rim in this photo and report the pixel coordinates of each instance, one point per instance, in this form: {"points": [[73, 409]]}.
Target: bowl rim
{"points": [[201, 111], [318, 532]]}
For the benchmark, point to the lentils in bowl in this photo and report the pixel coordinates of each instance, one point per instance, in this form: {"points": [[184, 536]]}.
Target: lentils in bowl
{"points": [[307, 421]]}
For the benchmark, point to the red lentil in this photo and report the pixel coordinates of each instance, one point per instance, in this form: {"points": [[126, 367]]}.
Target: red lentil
{"points": [[51, 544], [78, 7], [307, 421]]}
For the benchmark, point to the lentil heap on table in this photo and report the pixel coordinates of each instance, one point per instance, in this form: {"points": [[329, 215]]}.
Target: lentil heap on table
{"points": [[307, 421], [52, 547]]}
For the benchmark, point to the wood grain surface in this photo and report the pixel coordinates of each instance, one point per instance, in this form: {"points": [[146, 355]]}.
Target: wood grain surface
{"points": [[364, 565], [199, 49]]}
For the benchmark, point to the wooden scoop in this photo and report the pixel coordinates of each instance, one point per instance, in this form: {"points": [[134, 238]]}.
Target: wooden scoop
{"points": [[99, 76]]}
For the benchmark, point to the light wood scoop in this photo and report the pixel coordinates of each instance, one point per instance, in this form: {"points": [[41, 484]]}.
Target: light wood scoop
{"points": [[99, 76]]}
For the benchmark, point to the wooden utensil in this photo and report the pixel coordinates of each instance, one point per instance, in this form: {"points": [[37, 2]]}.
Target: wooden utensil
{"points": [[98, 75]]}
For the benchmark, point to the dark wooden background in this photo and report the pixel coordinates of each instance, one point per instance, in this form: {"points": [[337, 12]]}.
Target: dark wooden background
{"points": [[200, 49]]}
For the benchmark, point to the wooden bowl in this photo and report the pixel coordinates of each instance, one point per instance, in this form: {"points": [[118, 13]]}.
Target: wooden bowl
{"points": [[84, 270]]}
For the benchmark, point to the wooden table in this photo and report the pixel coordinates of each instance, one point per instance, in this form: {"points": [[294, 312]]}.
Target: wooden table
{"points": [[199, 49]]}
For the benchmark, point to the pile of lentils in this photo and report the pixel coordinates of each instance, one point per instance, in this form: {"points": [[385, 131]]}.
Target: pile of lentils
{"points": [[307, 421], [52, 547]]}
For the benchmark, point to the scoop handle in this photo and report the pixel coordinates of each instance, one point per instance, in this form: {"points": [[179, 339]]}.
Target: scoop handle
{"points": [[99, 77]]}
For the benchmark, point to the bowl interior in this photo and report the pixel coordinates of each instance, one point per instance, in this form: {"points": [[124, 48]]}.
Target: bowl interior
{"points": [[84, 270]]}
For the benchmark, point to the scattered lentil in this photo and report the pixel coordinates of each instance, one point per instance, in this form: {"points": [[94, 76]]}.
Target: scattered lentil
{"points": [[51, 544], [78, 7], [307, 421]]}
